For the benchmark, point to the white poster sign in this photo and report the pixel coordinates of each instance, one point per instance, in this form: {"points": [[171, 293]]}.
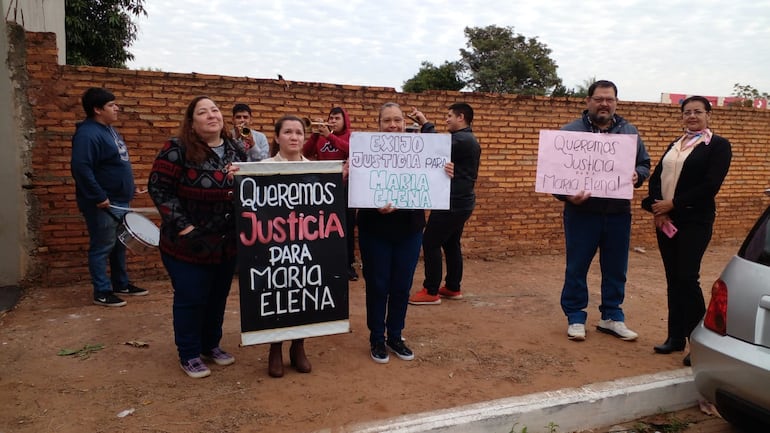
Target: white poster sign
{"points": [[403, 169]]}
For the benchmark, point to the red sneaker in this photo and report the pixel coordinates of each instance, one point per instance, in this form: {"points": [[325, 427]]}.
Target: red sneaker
{"points": [[450, 294], [424, 298]]}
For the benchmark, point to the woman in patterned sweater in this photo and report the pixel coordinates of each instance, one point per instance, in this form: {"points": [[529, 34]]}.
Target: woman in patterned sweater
{"points": [[191, 184]]}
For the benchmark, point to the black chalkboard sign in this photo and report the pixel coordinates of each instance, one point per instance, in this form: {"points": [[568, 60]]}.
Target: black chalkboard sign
{"points": [[292, 259]]}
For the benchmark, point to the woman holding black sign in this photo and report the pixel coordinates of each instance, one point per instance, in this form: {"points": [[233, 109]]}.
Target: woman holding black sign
{"points": [[191, 184], [287, 146], [682, 191], [389, 240]]}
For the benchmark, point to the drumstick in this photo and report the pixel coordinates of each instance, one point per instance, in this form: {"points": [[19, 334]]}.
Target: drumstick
{"points": [[137, 209]]}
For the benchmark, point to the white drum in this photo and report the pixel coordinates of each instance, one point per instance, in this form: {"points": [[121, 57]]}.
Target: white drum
{"points": [[138, 233]]}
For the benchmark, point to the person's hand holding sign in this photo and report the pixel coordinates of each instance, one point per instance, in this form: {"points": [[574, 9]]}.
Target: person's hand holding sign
{"points": [[388, 208], [579, 198], [449, 169]]}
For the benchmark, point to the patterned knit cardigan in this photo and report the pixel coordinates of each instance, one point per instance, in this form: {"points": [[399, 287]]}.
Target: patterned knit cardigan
{"points": [[201, 195]]}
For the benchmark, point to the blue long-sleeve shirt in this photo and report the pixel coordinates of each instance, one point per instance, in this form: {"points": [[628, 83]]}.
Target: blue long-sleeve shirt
{"points": [[100, 165]]}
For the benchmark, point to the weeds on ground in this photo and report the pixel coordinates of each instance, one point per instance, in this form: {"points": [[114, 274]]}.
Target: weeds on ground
{"points": [[82, 352], [672, 425], [551, 427]]}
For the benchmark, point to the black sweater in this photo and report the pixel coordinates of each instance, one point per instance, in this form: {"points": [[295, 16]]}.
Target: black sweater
{"points": [[702, 175]]}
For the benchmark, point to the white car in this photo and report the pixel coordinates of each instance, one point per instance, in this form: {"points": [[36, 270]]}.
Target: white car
{"points": [[730, 348]]}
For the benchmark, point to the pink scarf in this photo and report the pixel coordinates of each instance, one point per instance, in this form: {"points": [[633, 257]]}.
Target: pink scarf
{"points": [[692, 137]]}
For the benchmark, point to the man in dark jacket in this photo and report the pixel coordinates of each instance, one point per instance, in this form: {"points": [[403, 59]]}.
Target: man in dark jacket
{"points": [[104, 186], [592, 223], [444, 228]]}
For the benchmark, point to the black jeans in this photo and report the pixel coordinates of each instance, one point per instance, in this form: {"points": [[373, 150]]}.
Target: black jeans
{"points": [[443, 231], [350, 231], [682, 256]]}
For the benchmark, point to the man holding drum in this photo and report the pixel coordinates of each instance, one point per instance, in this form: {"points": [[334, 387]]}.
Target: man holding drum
{"points": [[104, 186]]}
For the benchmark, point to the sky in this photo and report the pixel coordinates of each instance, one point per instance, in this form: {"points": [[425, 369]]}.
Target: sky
{"points": [[647, 47]]}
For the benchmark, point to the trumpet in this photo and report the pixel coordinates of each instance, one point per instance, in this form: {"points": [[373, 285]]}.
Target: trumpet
{"points": [[315, 126], [243, 131]]}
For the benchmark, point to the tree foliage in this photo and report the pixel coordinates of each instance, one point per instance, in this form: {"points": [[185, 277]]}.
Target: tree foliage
{"points": [[582, 89], [503, 62], [431, 77], [99, 32], [748, 93]]}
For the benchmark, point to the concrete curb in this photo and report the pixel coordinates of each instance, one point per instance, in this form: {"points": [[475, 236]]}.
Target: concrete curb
{"points": [[572, 409]]}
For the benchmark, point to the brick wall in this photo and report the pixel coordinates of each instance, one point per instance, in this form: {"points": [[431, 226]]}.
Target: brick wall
{"points": [[510, 218]]}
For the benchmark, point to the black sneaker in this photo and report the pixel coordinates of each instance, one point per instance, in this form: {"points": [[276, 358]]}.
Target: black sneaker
{"points": [[399, 348], [379, 353], [132, 290], [352, 274], [108, 300]]}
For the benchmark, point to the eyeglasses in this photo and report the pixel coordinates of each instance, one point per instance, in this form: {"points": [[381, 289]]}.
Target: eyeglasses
{"points": [[690, 113], [599, 100]]}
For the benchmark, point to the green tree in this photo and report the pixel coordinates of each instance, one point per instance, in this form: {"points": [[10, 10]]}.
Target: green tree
{"points": [[503, 62], [431, 77], [748, 93], [561, 90], [99, 32], [582, 89]]}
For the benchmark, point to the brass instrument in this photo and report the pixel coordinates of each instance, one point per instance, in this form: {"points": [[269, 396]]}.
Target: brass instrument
{"points": [[314, 126], [244, 135]]}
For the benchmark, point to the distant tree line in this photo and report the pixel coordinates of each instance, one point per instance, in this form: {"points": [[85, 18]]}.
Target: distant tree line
{"points": [[496, 60]]}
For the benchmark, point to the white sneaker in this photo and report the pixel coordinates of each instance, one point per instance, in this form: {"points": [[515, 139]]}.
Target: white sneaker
{"points": [[576, 331], [617, 329]]}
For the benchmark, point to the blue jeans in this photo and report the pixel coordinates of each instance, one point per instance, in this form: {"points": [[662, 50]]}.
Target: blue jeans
{"points": [[584, 233], [200, 297], [444, 231], [388, 268], [103, 245]]}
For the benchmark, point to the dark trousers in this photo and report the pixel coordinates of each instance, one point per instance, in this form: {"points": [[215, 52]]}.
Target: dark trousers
{"points": [[388, 267], [444, 231], [682, 257], [350, 233], [584, 233], [200, 296]]}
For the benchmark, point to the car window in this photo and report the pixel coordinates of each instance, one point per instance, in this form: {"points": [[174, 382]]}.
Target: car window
{"points": [[756, 247]]}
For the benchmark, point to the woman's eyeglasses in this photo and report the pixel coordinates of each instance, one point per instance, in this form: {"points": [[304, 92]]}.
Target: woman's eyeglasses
{"points": [[691, 113]]}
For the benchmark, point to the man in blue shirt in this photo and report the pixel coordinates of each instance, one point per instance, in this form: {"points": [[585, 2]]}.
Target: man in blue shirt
{"points": [[603, 224]]}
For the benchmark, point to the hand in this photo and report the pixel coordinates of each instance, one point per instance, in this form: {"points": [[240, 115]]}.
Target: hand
{"points": [[187, 230], [634, 178], [231, 169], [661, 207], [103, 205], [417, 115], [324, 130], [579, 198], [346, 169], [248, 142], [388, 208], [449, 169], [660, 220], [138, 190]]}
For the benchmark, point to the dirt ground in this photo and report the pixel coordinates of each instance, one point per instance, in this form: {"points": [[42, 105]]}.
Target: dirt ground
{"points": [[506, 338]]}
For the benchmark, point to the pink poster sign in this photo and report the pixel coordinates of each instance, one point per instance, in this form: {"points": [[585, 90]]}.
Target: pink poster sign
{"points": [[569, 162]]}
